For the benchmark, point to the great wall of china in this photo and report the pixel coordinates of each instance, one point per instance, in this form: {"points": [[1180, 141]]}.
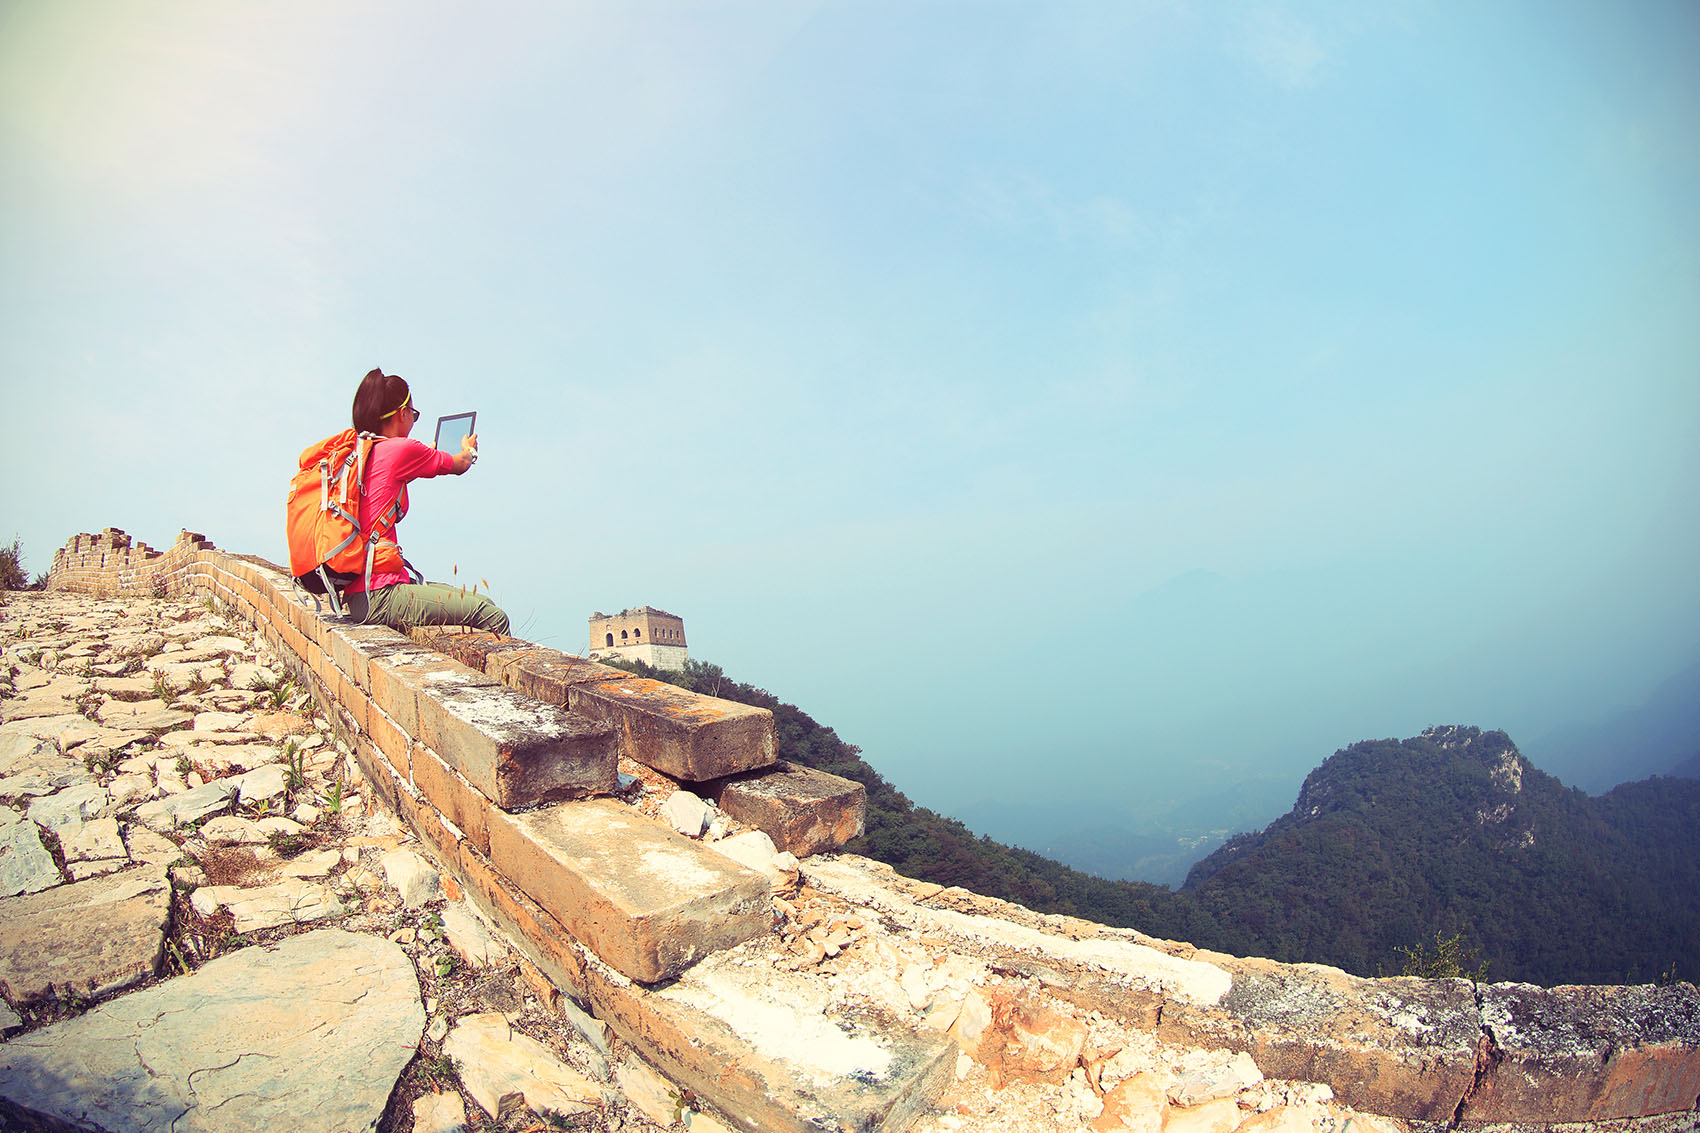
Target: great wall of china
{"points": [[503, 758]]}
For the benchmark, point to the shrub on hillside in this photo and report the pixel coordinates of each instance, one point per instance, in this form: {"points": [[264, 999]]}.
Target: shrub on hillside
{"points": [[12, 576], [1450, 957]]}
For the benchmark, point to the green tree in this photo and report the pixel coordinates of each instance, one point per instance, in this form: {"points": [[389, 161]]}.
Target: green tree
{"points": [[12, 575], [1449, 958]]}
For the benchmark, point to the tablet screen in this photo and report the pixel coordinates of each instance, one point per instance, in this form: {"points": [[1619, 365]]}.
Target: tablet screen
{"points": [[452, 428]]}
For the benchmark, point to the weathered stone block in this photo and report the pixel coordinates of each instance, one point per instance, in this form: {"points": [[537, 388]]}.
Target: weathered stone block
{"points": [[1403, 1047], [289, 902], [400, 672], [552, 677], [803, 810], [496, 1062], [458, 800], [473, 648], [389, 739], [759, 1043], [353, 699], [645, 900], [392, 696], [25, 864], [383, 781], [310, 1033], [539, 935], [352, 646], [516, 750], [678, 733], [547, 674], [1098, 969], [93, 936], [1571, 1054], [166, 814]]}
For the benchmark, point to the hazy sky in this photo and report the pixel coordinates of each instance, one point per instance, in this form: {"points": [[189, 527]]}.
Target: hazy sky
{"points": [[1077, 405]]}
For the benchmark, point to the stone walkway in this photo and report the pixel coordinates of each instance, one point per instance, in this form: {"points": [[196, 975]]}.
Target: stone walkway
{"points": [[177, 834]]}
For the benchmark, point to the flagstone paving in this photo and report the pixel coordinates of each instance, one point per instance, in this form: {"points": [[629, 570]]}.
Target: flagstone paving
{"points": [[196, 928]]}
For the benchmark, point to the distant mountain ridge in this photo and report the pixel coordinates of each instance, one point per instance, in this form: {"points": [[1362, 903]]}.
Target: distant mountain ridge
{"points": [[1650, 739], [1394, 840], [1688, 768]]}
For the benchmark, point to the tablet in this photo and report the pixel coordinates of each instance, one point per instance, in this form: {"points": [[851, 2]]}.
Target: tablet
{"points": [[452, 428]]}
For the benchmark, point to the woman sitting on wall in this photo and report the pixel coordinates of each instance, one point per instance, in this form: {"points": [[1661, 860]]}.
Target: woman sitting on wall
{"points": [[384, 405]]}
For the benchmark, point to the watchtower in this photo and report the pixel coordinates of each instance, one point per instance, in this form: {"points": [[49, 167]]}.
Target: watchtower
{"points": [[645, 634]]}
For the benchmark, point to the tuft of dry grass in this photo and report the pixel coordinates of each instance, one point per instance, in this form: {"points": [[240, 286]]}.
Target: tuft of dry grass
{"points": [[235, 865]]}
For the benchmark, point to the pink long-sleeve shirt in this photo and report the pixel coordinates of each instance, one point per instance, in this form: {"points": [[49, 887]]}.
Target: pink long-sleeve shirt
{"points": [[394, 462]]}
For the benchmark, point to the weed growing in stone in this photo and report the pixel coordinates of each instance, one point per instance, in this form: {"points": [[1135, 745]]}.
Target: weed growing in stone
{"points": [[287, 845], [443, 1071], [333, 798], [184, 766], [684, 1104], [50, 842], [284, 690], [175, 956], [295, 767], [197, 938], [276, 690], [163, 690]]}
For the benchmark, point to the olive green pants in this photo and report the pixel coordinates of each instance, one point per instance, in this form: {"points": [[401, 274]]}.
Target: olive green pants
{"points": [[406, 605]]}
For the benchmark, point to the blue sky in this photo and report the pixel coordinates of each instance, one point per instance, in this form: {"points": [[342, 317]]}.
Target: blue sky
{"points": [[1112, 403]]}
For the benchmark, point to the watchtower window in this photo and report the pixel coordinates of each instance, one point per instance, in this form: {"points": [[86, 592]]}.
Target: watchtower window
{"points": [[610, 639], [637, 633], [624, 635]]}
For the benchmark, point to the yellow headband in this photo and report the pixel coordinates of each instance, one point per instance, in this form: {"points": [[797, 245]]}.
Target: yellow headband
{"points": [[398, 408]]}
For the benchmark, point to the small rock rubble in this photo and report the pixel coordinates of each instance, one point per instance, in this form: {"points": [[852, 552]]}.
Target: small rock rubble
{"points": [[654, 794]]}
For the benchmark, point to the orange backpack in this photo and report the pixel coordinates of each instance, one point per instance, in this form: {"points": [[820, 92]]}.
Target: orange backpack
{"points": [[327, 549]]}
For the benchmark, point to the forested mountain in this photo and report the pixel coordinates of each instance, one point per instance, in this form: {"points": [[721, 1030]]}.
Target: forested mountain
{"points": [[1394, 840], [1391, 842]]}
